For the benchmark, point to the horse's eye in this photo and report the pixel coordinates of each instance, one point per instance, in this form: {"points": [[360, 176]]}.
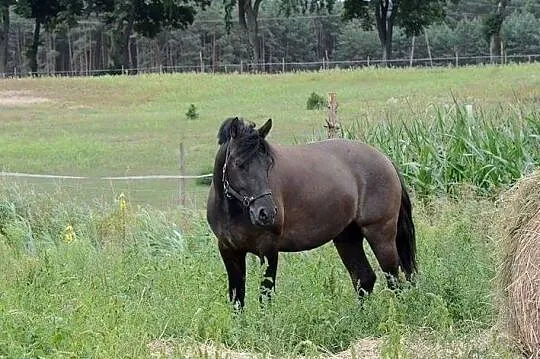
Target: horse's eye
{"points": [[243, 166]]}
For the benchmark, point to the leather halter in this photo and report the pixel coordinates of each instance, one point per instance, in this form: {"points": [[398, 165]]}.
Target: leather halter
{"points": [[230, 192]]}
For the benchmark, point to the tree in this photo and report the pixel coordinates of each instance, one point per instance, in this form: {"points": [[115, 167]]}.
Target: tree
{"points": [[49, 13], [4, 33], [248, 12], [411, 15], [521, 33], [493, 26], [145, 17]]}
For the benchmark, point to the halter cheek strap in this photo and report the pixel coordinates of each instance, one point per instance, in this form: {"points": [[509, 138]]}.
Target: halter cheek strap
{"points": [[230, 192]]}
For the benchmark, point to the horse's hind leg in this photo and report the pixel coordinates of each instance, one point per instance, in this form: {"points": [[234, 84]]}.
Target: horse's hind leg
{"points": [[349, 245], [382, 240]]}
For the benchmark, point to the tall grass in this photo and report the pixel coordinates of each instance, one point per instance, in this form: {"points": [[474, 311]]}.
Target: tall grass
{"points": [[131, 276], [439, 153]]}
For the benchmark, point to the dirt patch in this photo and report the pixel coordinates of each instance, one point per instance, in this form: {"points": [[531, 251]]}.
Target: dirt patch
{"points": [[20, 98]]}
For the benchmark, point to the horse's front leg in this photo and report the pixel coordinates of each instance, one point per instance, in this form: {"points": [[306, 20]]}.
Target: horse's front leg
{"points": [[268, 283], [235, 264]]}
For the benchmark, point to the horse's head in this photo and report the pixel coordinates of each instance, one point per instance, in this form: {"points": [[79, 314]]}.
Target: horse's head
{"points": [[248, 160]]}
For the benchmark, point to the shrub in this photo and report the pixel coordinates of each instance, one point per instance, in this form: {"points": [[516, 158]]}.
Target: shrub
{"points": [[316, 102], [192, 113]]}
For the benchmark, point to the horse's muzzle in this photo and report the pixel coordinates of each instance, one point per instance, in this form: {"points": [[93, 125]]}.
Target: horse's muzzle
{"points": [[262, 216]]}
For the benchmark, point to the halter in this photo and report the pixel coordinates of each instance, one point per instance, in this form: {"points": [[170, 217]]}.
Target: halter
{"points": [[230, 192]]}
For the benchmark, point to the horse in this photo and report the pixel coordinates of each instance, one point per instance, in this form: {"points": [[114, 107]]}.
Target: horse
{"points": [[267, 198]]}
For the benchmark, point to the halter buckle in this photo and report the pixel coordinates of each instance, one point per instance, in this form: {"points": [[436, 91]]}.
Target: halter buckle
{"points": [[246, 201]]}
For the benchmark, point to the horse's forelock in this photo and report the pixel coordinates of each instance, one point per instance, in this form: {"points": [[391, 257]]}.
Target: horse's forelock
{"points": [[249, 140]]}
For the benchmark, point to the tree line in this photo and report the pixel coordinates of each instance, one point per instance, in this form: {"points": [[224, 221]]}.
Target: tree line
{"points": [[107, 35]]}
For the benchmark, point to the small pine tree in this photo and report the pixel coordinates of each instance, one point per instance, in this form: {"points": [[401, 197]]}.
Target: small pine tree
{"points": [[192, 113]]}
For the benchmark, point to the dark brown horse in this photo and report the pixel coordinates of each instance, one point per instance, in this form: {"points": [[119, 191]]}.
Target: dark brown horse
{"points": [[267, 198]]}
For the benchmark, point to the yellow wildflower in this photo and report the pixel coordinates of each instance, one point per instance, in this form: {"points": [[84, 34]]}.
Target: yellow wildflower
{"points": [[123, 202], [69, 234]]}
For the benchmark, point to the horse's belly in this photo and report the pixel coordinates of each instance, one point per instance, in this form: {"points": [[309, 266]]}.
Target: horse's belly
{"points": [[311, 234]]}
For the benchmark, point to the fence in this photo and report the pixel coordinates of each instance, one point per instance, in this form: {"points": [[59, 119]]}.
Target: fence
{"points": [[277, 67], [161, 190], [156, 190]]}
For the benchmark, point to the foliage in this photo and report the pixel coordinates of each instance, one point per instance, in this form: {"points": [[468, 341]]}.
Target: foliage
{"points": [[103, 295], [192, 113], [205, 181], [144, 17], [412, 16], [441, 154], [91, 45], [355, 43], [316, 102], [51, 14], [520, 31]]}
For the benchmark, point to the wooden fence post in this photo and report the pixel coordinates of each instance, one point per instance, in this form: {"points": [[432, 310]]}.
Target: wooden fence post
{"points": [[201, 60], [428, 48], [332, 121], [412, 51], [182, 195]]}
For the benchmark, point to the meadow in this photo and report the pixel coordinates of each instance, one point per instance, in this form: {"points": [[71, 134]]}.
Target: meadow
{"points": [[118, 126], [85, 273]]}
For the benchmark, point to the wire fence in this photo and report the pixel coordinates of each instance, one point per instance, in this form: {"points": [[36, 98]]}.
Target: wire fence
{"points": [[283, 66], [156, 190]]}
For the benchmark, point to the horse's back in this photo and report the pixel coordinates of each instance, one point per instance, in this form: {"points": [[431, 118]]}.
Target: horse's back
{"points": [[367, 171]]}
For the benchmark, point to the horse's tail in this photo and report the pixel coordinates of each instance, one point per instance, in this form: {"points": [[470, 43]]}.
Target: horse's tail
{"points": [[406, 239]]}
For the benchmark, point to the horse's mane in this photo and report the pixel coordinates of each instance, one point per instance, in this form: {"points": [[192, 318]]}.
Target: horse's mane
{"points": [[250, 142]]}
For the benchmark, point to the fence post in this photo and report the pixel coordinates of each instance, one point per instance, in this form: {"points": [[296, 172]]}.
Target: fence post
{"points": [[283, 64], [332, 122], [428, 48], [202, 62], [412, 51], [182, 195], [327, 59], [241, 66]]}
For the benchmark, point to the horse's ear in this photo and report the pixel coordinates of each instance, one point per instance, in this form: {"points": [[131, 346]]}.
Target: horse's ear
{"points": [[234, 127], [263, 131]]}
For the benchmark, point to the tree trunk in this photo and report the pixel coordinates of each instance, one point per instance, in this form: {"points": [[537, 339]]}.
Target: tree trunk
{"points": [[4, 37], [385, 12], [33, 51], [248, 19], [120, 39], [125, 41], [495, 38]]}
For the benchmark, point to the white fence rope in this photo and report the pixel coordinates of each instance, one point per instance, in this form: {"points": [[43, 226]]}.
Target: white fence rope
{"points": [[123, 178]]}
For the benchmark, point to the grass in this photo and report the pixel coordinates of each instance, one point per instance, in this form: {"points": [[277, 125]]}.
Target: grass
{"points": [[131, 276], [133, 125], [83, 276], [441, 153]]}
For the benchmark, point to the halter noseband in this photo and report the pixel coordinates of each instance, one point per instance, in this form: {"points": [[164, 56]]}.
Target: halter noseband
{"points": [[230, 192]]}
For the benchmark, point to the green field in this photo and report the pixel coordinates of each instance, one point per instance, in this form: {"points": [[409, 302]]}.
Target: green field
{"points": [[80, 277], [116, 126]]}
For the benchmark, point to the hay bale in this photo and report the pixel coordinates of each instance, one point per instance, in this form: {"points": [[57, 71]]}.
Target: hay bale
{"points": [[520, 271]]}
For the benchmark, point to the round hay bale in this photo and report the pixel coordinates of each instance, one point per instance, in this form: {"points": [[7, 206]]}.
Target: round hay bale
{"points": [[520, 271]]}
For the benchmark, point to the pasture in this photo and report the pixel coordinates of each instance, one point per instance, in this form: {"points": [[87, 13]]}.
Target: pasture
{"points": [[84, 274]]}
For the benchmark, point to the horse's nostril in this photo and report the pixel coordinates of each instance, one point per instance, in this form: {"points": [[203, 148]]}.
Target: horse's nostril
{"points": [[262, 214]]}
